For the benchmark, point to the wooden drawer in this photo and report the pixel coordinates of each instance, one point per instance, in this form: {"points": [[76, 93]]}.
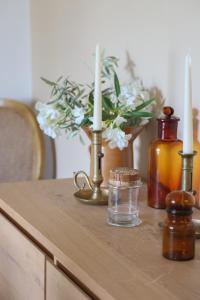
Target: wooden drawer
{"points": [[60, 287], [22, 265]]}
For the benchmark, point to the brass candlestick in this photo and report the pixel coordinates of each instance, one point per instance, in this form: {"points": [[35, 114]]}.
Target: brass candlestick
{"points": [[186, 182], [187, 170], [94, 194]]}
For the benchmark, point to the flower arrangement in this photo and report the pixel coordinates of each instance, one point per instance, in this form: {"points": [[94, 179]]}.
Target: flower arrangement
{"points": [[70, 107]]}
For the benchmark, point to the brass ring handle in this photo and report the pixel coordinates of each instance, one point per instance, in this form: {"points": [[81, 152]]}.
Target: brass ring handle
{"points": [[85, 178]]}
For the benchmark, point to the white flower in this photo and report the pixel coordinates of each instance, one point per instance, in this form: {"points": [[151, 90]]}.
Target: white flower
{"points": [[47, 110], [78, 113], [48, 117], [128, 101], [116, 137], [127, 97], [119, 120], [144, 95], [133, 94], [114, 99]]}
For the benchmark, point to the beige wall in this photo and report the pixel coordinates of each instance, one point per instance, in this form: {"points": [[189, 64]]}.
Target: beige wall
{"points": [[156, 33], [15, 52]]}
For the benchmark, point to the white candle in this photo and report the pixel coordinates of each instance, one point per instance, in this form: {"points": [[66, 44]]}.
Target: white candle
{"points": [[188, 119], [97, 114]]}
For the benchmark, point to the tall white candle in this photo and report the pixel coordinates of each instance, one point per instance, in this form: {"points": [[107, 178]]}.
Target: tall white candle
{"points": [[188, 119], [97, 114]]}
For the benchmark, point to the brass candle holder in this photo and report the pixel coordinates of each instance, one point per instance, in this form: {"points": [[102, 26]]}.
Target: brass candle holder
{"points": [[186, 182], [94, 194], [187, 171]]}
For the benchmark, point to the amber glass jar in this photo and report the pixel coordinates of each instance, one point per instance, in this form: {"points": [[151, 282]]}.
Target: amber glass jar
{"points": [[196, 163], [179, 231], [164, 165], [196, 174]]}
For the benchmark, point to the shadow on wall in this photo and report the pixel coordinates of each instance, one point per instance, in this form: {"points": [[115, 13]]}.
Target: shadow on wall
{"points": [[150, 131], [195, 113]]}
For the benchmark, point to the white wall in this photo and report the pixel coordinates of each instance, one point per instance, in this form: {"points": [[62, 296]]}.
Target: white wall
{"points": [[15, 52], [157, 34]]}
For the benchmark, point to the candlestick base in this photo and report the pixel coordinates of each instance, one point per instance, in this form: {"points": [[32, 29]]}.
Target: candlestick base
{"points": [[88, 196], [95, 195]]}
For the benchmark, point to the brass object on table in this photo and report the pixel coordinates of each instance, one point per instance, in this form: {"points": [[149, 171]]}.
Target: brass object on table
{"points": [[196, 223], [186, 182], [94, 194], [187, 170]]}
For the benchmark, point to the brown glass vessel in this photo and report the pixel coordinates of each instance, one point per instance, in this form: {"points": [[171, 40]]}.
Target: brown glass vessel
{"points": [[179, 231], [164, 165]]}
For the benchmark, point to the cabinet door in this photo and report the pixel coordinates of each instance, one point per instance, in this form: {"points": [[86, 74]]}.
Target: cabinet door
{"points": [[60, 287], [22, 265]]}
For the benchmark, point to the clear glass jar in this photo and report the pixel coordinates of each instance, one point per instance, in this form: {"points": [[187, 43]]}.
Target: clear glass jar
{"points": [[124, 186]]}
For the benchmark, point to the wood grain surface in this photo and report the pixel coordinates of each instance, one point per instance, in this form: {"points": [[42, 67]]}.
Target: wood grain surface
{"points": [[113, 263], [59, 287], [22, 265]]}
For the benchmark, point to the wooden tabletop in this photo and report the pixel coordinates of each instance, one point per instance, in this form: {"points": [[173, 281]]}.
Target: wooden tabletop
{"points": [[114, 263]]}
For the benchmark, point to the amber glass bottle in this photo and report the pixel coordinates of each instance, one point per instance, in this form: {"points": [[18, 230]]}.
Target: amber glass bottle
{"points": [[164, 166], [196, 174], [196, 163], [179, 231]]}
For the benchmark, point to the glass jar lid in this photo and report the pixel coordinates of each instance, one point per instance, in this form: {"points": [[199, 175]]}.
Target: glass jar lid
{"points": [[124, 177]]}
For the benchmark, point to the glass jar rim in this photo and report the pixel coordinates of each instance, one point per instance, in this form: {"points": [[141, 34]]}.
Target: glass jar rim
{"points": [[132, 185]]}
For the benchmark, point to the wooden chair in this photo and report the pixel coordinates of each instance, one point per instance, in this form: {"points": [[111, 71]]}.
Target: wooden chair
{"points": [[21, 143]]}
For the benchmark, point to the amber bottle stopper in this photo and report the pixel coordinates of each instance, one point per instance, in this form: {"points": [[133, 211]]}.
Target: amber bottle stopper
{"points": [[168, 111], [124, 177]]}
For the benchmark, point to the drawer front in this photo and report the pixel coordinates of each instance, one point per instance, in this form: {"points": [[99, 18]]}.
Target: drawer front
{"points": [[22, 265], [60, 287]]}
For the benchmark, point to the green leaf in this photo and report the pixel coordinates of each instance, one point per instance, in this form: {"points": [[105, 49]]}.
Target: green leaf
{"points": [[107, 92], [79, 95], [143, 105], [117, 85], [85, 122], [59, 78], [144, 114], [106, 116], [107, 104], [91, 97], [48, 81]]}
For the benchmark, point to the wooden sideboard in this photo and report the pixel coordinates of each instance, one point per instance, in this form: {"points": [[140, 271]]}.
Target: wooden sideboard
{"points": [[55, 248]]}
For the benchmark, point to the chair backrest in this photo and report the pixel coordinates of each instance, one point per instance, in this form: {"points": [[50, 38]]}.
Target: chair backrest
{"points": [[21, 143]]}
